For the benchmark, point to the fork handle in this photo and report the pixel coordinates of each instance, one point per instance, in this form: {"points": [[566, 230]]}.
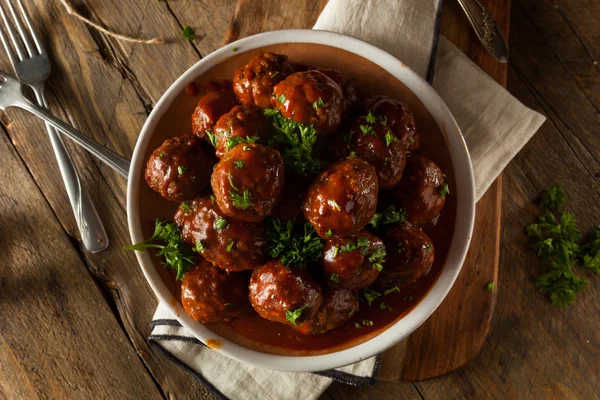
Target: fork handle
{"points": [[106, 155], [93, 234]]}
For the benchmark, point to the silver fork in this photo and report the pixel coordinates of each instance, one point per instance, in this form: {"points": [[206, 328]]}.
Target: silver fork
{"points": [[32, 66]]}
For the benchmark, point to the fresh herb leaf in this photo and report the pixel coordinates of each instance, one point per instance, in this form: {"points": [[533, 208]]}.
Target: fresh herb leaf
{"points": [[220, 224], [291, 244], [391, 290], [334, 277], [235, 49], [231, 181], [376, 220], [490, 286], [445, 190], [363, 241], [188, 33], [411, 139], [389, 139], [357, 325], [212, 198], [238, 164], [319, 103], [176, 253], [590, 252], [293, 316], [378, 255], [370, 118], [367, 322], [351, 155], [408, 298], [242, 201], [383, 306], [200, 247], [213, 138], [553, 198], [328, 233], [235, 140], [389, 216], [335, 251], [281, 99], [336, 205], [370, 295], [274, 75], [367, 130], [181, 169], [230, 243], [161, 155]]}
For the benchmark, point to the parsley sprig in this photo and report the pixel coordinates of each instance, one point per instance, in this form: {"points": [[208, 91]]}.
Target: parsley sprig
{"points": [[297, 140], [559, 242], [293, 316], [291, 244], [176, 253], [389, 216]]}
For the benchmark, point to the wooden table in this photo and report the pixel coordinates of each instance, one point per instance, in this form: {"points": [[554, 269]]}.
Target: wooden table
{"points": [[74, 325]]}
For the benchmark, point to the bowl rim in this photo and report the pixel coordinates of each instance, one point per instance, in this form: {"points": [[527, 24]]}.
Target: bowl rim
{"points": [[461, 237]]}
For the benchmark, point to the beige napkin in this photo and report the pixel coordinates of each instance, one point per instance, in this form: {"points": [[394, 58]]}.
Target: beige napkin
{"points": [[495, 125]]}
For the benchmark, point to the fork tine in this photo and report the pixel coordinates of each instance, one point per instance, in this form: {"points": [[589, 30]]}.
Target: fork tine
{"points": [[11, 33], [23, 35], [8, 48], [34, 36]]}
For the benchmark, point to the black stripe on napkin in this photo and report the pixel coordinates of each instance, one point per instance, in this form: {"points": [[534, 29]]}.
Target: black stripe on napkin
{"points": [[434, 45]]}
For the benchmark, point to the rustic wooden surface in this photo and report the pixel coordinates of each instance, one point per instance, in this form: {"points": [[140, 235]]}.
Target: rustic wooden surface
{"points": [[74, 325]]}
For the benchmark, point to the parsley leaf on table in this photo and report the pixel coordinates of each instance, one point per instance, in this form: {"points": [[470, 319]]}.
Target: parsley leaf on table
{"points": [[176, 253], [553, 198], [292, 245], [188, 33]]}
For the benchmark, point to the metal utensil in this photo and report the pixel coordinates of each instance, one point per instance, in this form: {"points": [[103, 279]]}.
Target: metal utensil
{"points": [[32, 66], [486, 28], [11, 95]]}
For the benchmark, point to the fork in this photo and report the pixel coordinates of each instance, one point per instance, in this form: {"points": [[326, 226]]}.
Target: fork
{"points": [[32, 67]]}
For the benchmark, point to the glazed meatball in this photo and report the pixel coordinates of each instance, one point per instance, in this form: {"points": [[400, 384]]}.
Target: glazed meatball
{"points": [[253, 83], [240, 125], [231, 244], [351, 101], [210, 108], [210, 294], [353, 262], [285, 295], [374, 142], [422, 191], [248, 181], [179, 168], [339, 305], [343, 198], [410, 256], [310, 98], [399, 118]]}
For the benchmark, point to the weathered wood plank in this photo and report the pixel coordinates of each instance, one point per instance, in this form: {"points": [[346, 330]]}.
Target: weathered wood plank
{"points": [[58, 336]]}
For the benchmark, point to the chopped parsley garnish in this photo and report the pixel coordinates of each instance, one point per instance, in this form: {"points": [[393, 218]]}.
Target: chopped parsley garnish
{"points": [[238, 164], [367, 322], [348, 137], [213, 138], [319, 103], [334, 277], [445, 190], [242, 201], [370, 118], [389, 216], [234, 49], [185, 207], [408, 298], [328, 233], [247, 148], [281, 99], [212, 198], [370, 295], [357, 325], [200, 247], [220, 224], [161, 155], [391, 290], [181, 169], [377, 257], [336, 205], [383, 306], [490, 286], [231, 181], [412, 140], [389, 139], [293, 316], [275, 74], [230, 243], [351, 155], [235, 140], [367, 130], [428, 247], [558, 241], [363, 241], [176, 253], [335, 251], [553, 198], [297, 142], [188, 33], [291, 244]]}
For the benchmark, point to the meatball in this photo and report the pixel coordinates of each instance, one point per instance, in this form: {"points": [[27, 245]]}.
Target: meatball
{"points": [[351, 101], [310, 98], [422, 191], [339, 305], [248, 181], [353, 262], [410, 256], [208, 111], [210, 294], [253, 83], [240, 125], [179, 168], [399, 118], [343, 198], [285, 295], [374, 142], [231, 244]]}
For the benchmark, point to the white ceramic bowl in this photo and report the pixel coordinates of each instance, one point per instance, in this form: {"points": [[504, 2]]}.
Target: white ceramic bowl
{"points": [[464, 192]]}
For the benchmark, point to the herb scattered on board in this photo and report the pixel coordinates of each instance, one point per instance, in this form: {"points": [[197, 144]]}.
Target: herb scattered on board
{"points": [[557, 241], [188, 33], [293, 316], [293, 244], [298, 141], [176, 253], [490, 286]]}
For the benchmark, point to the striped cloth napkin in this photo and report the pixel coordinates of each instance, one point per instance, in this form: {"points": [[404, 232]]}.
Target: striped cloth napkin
{"points": [[495, 125]]}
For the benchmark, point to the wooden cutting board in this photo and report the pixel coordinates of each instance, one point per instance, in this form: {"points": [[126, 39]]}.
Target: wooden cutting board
{"points": [[456, 331]]}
